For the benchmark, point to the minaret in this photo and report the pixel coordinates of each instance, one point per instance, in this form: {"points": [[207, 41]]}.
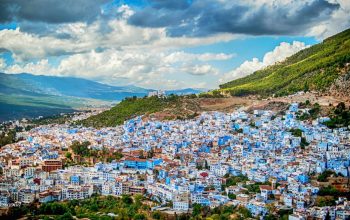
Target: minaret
{"points": [[273, 183]]}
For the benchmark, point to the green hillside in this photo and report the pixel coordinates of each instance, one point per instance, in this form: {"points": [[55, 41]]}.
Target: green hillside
{"points": [[314, 68], [129, 108]]}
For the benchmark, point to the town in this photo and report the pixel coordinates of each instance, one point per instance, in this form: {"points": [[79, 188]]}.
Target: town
{"points": [[258, 160]]}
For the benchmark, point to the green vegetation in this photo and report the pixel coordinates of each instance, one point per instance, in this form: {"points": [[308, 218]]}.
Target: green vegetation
{"points": [[54, 119], [13, 106], [322, 201], [129, 108], [313, 112], [304, 143], [314, 68], [231, 196], [233, 180], [296, 132], [213, 94], [250, 188], [323, 177], [340, 117], [7, 137], [328, 195], [82, 149], [125, 207], [221, 212], [254, 188]]}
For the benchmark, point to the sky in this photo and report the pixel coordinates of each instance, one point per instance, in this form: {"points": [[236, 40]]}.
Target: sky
{"points": [[161, 44]]}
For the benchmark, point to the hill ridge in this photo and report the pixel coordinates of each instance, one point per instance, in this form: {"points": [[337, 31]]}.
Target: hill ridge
{"points": [[313, 68]]}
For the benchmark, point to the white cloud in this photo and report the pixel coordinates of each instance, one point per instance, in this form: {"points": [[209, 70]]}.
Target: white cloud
{"points": [[115, 52], [111, 51], [280, 53], [25, 46], [200, 70], [127, 67], [339, 21], [41, 67], [83, 37], [181, 56], [2, 64]]}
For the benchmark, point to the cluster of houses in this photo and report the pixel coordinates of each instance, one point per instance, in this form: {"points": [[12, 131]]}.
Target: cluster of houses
{"points": [[186, 162]]}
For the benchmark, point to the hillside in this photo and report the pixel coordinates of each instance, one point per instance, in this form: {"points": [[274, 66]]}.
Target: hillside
{"points": [[28, 84], [26, 95], [172, 107], [128, 108], [15, 106], [314, 68]]}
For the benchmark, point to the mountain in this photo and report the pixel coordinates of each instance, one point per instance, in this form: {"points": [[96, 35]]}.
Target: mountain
{"points": [[27, 95], [315, 68], [67, 86], [187, 91]]}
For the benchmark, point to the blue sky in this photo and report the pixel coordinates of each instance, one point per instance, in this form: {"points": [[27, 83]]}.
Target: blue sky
{"points": [[247, 48], [160, 43]]}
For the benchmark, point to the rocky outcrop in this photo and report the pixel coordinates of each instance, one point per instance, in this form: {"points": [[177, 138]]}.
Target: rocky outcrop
{"points": [[341, 87]]}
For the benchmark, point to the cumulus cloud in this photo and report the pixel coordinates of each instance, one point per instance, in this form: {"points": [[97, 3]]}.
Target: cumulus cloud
{"points": [[144, 45], [200, 70], [111, 51], [25, 46], [184, 57], [187, 18], [126, 67], [338, 22], [83, 37], [2, 64], [207, 17], [280, 53]]}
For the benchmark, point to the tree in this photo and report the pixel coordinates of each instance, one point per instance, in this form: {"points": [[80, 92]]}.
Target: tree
{"points": [[231, 196], [340, 108], [68, 155], [7, 137], [140, 217], [66, 216], [244, 212], [156, 215], [323, 177], [127, 199], [81, 149], [296, 132], [196, 209]]}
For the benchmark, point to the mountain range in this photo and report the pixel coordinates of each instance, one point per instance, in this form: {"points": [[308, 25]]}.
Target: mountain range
{"points": [[27, 95]]}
